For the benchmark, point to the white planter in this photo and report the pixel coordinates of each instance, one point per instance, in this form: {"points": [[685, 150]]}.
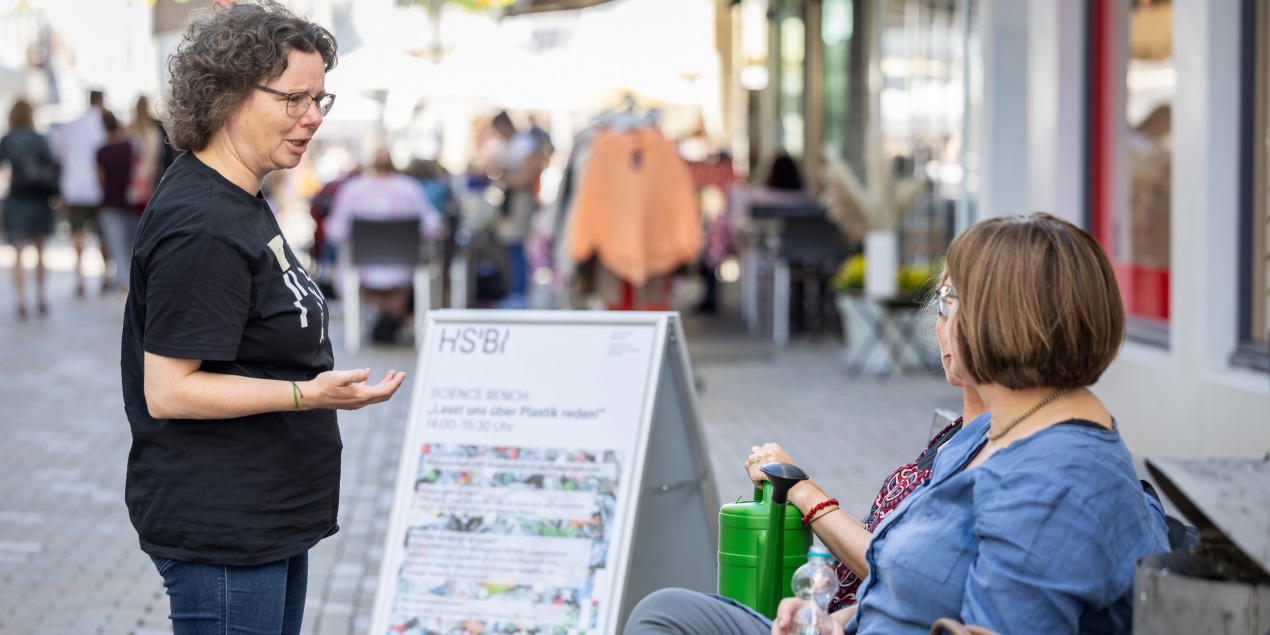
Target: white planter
{"points": [[869, 351], [858, 315], [881, 264]]}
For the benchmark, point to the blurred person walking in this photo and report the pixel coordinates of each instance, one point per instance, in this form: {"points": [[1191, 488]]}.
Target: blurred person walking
{"points": [[75, 146], [521, 162], [146, 136], [28, 218], [227, 366], [324, 253], [438, 187], [381, 193], [117, 217]]}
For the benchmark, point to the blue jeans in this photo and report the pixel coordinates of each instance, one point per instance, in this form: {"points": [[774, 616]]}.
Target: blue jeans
{"points": [[118, 228], [213, 599], [518, 269]]}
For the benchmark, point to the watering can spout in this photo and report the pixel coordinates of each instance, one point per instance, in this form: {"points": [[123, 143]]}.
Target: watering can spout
{"points": [[783, 477]]}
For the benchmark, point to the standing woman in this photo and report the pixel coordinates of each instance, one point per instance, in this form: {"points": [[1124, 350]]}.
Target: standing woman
{"points": [[226, 363], [28, 219]]}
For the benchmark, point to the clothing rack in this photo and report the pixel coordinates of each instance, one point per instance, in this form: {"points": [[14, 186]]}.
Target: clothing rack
{"points": [[626, 204], [627, 116]]}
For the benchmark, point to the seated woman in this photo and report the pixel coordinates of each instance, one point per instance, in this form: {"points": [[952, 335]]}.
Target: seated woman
{"points": [[844, 536], [1033, 516]]}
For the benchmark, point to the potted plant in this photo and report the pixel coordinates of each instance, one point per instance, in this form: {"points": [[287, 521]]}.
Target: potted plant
{"points": [[914, 282], [861, 313]]}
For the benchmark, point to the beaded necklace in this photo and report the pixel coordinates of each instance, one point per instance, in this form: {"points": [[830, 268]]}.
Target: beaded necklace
{"points": [[993, 435]]}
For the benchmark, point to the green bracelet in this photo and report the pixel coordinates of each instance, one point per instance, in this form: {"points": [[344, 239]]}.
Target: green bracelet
{"points": [[296, 394]]}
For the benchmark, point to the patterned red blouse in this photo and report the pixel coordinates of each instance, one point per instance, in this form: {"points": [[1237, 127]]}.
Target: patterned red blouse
{"points": [[894, 490]]}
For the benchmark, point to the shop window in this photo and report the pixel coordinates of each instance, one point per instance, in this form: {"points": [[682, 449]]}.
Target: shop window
{"points": [[925, 114], [791, 86], [1133, 85], [1254, 253], [897, 92], [837, 25]]}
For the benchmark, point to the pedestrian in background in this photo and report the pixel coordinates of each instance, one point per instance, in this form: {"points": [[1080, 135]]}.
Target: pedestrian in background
{"points": [[520, 163], [75, 146], [28, 219], [146, 137], [381, 193], [234, 471], [116, 218], [438, 187], [324, 253]]}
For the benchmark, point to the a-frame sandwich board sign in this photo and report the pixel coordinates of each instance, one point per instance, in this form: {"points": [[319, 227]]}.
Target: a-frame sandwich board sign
{"points": [[553, 473]]}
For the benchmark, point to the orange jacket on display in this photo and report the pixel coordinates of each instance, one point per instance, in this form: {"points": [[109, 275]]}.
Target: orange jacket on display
{"points": [[635, 207]]}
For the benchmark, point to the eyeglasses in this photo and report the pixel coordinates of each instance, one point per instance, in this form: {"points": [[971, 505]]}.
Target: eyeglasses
{"points": [[944, 293], [298, 103]]}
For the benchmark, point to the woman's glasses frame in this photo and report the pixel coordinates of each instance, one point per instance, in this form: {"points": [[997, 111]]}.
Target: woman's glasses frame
{"points": [[944, 293], [298, 103]]}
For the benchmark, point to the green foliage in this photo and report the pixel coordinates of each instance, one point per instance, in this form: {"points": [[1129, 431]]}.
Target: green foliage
{"points": [[850, 276]]}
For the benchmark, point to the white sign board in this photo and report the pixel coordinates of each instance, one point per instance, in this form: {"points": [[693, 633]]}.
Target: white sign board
{"points": [[524, 469]]}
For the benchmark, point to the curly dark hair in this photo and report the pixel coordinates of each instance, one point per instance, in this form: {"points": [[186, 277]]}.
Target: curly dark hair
{"points": [[226, 50]]}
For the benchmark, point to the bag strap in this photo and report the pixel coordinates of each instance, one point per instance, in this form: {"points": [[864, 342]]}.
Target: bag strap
{"points": [[927, 460], [953, 627]]}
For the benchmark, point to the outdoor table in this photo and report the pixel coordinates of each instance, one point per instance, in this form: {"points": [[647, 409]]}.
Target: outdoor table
{"points": [[895, 325]]}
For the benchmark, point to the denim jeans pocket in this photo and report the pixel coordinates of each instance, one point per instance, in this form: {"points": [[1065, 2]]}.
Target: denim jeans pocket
{"points": [[163, 564]]}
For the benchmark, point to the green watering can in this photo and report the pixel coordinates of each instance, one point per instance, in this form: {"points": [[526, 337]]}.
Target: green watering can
{"points": [[762, 542]]}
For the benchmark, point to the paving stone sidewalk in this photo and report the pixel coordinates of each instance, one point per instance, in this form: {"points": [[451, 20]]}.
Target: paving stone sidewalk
{"points": [[69, 561]]}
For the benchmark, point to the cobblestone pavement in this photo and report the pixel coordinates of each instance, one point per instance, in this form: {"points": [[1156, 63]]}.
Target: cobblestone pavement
{"points": [[69, 561]]}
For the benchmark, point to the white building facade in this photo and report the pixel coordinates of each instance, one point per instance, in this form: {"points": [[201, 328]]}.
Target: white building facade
{"points": [[1073, 91]]}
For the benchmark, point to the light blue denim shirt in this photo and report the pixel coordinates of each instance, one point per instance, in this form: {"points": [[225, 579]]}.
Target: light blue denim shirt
{"points": [[1040, 538]]}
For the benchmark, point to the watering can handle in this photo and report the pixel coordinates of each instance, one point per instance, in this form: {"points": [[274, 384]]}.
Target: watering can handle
{"points": [[763, 493], [781, 477]]}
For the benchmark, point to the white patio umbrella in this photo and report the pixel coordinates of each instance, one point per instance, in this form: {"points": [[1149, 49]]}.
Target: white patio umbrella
{"points": [[354, 117], [378, 67], [504, 75]]}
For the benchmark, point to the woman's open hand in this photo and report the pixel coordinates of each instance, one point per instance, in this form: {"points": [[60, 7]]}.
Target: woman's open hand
{"points": [[762, 455], [348, 389]]}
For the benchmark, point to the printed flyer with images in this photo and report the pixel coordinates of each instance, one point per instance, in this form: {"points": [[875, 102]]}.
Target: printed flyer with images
{"points": [[516, 535]]}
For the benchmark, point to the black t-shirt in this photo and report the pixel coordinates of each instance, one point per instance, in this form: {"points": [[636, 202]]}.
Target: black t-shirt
{"points": [[214, 280], [115, 161]]}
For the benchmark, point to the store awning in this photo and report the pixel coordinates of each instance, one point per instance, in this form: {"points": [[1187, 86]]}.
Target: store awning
{"points": [[542, 6]]}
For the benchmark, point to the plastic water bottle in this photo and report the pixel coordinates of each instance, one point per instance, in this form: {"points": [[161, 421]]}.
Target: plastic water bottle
{"points": [[814, 583]]}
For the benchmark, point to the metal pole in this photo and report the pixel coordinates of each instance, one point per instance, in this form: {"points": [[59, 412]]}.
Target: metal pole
{"points": [[963, 219]]}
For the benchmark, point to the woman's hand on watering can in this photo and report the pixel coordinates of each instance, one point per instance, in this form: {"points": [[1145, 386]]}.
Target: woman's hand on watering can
{"points": [[762, 455]]}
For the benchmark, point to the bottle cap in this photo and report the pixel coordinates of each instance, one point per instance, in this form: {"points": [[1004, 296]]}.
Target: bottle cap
{"points": [[818, 551]]}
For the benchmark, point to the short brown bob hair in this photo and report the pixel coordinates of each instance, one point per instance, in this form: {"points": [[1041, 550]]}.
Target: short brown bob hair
{"points": [[21, 115], [226, 50], [1037, 303]]}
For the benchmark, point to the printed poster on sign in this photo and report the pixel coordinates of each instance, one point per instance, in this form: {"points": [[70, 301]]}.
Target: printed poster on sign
{"points": [[520, 451]]}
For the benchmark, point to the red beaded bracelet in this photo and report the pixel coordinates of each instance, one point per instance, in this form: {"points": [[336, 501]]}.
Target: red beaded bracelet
{"points": [[819, 506]]}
